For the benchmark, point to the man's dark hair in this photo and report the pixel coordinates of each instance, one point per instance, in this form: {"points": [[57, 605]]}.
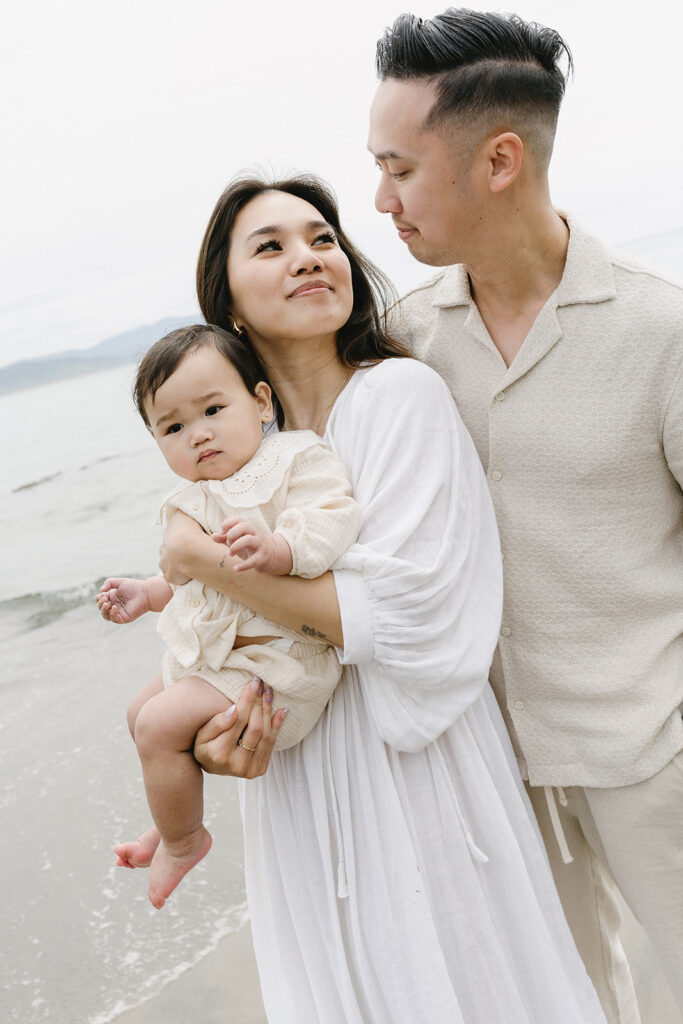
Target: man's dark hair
{"points": [[486, 65], [166, 355]]}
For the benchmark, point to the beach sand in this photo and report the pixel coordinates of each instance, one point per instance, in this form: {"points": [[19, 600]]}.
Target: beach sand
{"points": [[222, 989]]}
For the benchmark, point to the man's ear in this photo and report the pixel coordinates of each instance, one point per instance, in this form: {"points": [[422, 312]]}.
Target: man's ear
{"points": [[504, 154]]}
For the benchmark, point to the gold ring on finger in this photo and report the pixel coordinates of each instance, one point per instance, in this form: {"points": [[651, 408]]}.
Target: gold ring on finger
{"points": [[244, 746]]}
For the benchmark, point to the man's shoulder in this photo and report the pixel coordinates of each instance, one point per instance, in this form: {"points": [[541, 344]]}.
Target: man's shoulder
{"points": [[418, 307], [633, 276]]}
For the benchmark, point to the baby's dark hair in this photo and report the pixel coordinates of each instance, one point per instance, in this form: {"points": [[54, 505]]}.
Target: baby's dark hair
{"points": [[166, 355]]}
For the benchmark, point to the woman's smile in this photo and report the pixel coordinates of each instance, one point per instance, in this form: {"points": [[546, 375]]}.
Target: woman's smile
{"points": [[311, 288]]}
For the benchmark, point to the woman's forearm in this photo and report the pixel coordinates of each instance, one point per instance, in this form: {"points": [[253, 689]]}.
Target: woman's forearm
{"points": [[309, 607]]}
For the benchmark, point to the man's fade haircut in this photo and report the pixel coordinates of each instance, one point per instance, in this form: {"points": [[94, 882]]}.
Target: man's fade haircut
{"points": [[490, 69], [166, 355]]}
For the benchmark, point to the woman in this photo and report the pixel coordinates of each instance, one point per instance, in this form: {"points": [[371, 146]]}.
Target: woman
{"points": [[394, 875]]}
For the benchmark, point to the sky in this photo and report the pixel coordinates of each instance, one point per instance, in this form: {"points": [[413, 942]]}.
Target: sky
{"points": [[122, 123]]}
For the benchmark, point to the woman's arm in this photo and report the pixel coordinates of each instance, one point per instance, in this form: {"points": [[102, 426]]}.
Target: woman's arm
{"points": [[309, 607]]}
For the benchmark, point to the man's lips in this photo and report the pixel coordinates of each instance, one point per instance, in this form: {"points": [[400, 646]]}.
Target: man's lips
{"points": [[208, 454], [310, 288], [404, 231]]}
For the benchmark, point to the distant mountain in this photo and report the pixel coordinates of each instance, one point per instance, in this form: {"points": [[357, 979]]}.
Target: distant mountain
{"points": [[122, 348]]}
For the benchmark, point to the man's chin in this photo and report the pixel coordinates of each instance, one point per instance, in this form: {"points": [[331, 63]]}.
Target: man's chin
{"points": [[424, 255]]}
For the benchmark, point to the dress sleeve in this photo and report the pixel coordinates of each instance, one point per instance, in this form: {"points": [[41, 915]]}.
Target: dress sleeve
{"points": [[321, 518], [420, 592]]}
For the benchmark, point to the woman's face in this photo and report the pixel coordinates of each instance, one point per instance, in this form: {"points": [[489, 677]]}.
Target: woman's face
{"points": [[288, 278]]}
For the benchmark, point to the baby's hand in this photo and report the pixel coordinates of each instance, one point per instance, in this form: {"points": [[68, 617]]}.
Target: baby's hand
{"points": [[123, 600], [259, 550]]}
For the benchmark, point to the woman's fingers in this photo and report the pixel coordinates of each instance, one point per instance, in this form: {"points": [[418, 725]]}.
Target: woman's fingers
{"points": [[240, 741], [271, 726]]}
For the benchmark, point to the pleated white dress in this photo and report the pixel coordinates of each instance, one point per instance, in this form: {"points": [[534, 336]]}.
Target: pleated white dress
{"points": [[394, 872]]}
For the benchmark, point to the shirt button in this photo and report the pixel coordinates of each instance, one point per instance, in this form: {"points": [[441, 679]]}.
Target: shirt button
{"points": [[500, 396], [519, 705], [506, 631], [496, 475], [195, 507], [195, 604]]}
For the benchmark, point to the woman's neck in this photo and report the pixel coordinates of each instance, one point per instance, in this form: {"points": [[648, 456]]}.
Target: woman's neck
{"points": [[307, 385]]}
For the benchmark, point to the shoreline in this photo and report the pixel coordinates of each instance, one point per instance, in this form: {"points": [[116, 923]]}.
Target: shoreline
{"points": [[223, 986]]}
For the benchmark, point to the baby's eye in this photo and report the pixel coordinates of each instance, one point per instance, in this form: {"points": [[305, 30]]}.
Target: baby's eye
{"points": [[326, 238], [213, 409], [174, 428], [271, 246]]}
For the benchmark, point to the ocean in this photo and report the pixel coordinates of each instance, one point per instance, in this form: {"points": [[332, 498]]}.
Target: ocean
{"points": [[80, 486]]}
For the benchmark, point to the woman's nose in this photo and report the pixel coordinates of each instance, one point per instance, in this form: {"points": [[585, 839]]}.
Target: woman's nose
{"points": [[307, 261]]}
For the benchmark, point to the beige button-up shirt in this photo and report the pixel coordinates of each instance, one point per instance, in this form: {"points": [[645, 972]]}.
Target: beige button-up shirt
{"points": [[582, 442]]}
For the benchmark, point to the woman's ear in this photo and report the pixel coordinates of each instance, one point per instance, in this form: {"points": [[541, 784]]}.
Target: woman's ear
{"points": [[264, 399]]}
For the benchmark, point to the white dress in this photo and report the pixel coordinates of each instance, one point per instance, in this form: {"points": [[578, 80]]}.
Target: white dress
{"points": [[394, 872]]}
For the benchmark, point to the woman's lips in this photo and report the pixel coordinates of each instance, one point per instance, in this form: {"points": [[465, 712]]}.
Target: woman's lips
{"points": [[311, 288]]}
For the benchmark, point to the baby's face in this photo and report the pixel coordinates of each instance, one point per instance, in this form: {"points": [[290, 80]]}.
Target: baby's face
{"points": [[203, 418]]}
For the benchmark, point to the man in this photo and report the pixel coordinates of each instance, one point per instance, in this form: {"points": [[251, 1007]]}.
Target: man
{"points": [[567, 366]]}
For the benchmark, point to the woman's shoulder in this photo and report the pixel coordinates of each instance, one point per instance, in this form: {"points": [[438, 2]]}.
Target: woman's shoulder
{"points": [[406, 372]]}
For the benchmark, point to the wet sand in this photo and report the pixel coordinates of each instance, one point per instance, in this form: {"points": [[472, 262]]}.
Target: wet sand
{"points": [[222, 989]]}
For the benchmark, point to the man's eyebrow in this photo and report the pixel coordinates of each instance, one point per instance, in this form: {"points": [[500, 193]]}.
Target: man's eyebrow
{"points": [[173, 414], [277, 229], [388, 154]]}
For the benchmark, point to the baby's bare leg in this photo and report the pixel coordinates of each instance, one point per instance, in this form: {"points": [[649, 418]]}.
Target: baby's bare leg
{"points": [[165, 729]]}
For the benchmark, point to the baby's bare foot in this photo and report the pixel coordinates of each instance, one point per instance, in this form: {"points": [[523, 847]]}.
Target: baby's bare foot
{"points": [[139, 853], [168, 869]]}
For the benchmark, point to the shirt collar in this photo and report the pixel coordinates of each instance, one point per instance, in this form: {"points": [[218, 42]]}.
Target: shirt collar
{"points": [[587, 277]]}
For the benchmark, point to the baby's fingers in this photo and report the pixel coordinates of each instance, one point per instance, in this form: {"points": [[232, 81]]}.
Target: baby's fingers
{"points": [[241, 529]]}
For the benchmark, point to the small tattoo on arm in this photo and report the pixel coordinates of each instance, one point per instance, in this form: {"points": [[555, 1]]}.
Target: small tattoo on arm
{"points": [[222, 561], [309, 631]]}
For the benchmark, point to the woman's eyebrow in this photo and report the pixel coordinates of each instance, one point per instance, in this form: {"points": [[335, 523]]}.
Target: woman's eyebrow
{"points": [[277, 229]]}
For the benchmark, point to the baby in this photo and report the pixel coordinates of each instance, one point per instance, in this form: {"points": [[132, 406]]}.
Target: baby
{"points": [[286, 499]]}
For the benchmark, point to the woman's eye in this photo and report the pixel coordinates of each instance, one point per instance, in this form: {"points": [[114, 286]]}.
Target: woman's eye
{"points": [[213, 409], [271, 246], [174, 428], [327, 238]]}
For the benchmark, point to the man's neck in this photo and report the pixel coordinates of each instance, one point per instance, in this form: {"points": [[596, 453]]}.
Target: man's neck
{"points": [[515, 277]]}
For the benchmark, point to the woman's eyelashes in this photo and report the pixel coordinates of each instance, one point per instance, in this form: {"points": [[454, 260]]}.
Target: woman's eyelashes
{"points": [[273, 245]]}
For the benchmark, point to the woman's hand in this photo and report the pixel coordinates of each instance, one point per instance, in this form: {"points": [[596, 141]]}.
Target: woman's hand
{"points": [[239, 741], [178, 535]]}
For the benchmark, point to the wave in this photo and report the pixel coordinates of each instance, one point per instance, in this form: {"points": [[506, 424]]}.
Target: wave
{"points": [[32, 611], [36, 483]]}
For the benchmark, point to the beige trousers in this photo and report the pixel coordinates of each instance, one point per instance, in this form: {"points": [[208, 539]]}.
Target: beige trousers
{"points": [[629, 837]]}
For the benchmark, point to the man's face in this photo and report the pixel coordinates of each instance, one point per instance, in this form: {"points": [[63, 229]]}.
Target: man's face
{"points": [[427, 177]]}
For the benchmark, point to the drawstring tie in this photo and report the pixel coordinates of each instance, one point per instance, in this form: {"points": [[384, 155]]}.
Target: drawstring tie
{"points": [[555, 820], [476, 853], [342, 881]]}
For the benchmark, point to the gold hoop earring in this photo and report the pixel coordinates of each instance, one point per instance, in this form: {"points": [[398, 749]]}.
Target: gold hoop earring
{"points": [[236, 329]]}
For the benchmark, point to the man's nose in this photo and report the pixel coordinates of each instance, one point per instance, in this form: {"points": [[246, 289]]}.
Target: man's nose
{"points": [[386, 200]]}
